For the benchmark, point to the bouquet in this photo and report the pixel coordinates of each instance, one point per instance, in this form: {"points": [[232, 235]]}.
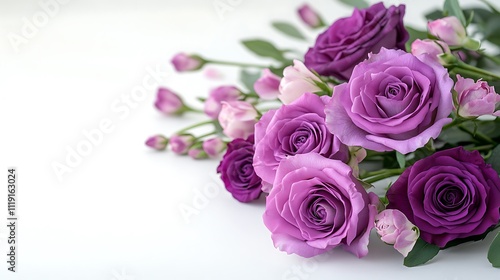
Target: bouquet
{"points": [[371, 102]]}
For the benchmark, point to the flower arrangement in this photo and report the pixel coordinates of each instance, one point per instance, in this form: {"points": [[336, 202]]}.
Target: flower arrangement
{"points": [[372, 101]]}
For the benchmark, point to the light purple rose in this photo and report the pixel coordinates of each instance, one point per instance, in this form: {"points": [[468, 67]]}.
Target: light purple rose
{"points": [[237, 119], [296, 81], [214, 146], [184, 62], [395, 229], [348, 41], [434, 48], [267, 86], [309, 16], [316, 205], [449, 30], [169, 102], [452, 194], [213, 104], [297, 128], [476, 98], [180, 143], [393, 101], [157, 142]]}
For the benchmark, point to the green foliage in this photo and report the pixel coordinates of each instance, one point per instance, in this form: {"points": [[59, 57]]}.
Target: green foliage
{"points": [[288, 29], [494, 251], [361, 4], [264, 48], [421, 253]]}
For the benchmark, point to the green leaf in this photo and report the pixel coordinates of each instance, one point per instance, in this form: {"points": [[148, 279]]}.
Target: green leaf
{"points": [[288, 29], [264, 48], [356, 3], [452, 8], [494, 251], [421, 253], [248, 78], [492, 8], [494, 159], [401, 159], [414, 35], [436, 14]]}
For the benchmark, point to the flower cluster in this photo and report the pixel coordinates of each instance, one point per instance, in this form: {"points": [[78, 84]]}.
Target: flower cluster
{"points": [[302, 130]]}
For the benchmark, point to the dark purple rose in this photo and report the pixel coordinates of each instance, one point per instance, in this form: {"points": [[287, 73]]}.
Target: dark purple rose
{"points": [[393, 101], [236, 170], [449, 195], [316, 204], [297, 128], [348, 41]]}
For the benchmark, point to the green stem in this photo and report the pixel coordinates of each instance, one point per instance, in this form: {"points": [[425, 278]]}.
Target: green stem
{"points": [[239, 64], [375, 176], [486, 75], [205, 135], [480, 148], [477, 134], [194, 126], [456, 121], [490, 57]]}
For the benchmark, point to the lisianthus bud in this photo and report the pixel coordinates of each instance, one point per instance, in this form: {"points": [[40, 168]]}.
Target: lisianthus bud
{"points": [[157, 142], [475, 98], [237, 119], [297, 80], [356, 155], [310, 17], [434, 48], [169, 102], [395, 229], [184, 62], [181, 143], [217, 96], [214, 146], [267, 86], [196, 152], [448, 29]]}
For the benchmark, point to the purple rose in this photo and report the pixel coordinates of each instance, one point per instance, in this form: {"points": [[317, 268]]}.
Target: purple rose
{"points": [[393, 101], [236, 170], [317, 204], [348, 41], [449, 195], [297, 128]]}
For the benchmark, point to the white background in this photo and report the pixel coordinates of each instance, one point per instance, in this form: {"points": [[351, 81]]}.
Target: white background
{"points": [[116, 215]]}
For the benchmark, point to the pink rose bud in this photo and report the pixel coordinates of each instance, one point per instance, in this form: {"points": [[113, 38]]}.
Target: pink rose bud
{"points": [[214, 146], [448, 29], [217, 96], [197, 153], [183, 62], [434, 48], [296, 81], [157, 142], [395, 229], [181, 143], [237, 119], [169, 102], [310, 17], [475, 98], [267, 86]]}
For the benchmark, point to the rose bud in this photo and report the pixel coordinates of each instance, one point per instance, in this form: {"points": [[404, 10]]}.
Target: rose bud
{"points": [[475, 98], [183, 62], [217, 95], [267, 86], [452, 32], [214, 146], [297, 80], [310, 17], [434, 48], [181, 143], [196, 152], [157, 142], [395, 229], [237, 119], [169, 102]]}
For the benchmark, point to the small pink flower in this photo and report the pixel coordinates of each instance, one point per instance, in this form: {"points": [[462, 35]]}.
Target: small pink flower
{"points": [[197, 153], [448, 29], [310, 17], [395, 229], [180, 144], [434, 48], [296, 81], [267, 86], [237, 119], [214, 146], [157, 142], [476, 98], [183, 62], [217, 96], [169, 102]]}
